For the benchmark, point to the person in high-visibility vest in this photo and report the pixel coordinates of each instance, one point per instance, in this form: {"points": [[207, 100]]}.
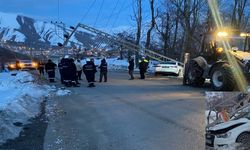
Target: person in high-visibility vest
{"points": [[143, 66]]}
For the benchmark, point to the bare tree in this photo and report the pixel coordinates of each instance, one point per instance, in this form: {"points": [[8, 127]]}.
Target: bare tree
{"points": [[152, 24], [189, 11], [138, 18], [238, 20], [164, 28]]}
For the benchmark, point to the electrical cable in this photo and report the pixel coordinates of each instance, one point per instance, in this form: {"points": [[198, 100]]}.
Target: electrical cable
{"points": [[112, 12], [87, 12], [58, 10], [119, 12], [98, 13]]}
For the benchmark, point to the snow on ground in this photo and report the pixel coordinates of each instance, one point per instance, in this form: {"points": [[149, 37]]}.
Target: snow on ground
{"points": [[63, 92], [20, 101], [14, 87]]}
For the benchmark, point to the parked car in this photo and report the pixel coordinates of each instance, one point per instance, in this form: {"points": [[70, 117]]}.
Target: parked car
{"points": [[232, 133], [26, 64], [11, 66], [169, 68]]}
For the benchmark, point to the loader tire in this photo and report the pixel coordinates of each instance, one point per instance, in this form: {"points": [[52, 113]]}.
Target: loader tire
{"points": [[222, 78], [194, 74]]}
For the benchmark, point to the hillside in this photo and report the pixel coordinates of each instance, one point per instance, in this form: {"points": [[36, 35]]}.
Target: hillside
{"points": [[35, 33]]}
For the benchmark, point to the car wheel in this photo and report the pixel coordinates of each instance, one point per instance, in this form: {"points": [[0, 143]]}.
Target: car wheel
{"points": [[244, 139]]}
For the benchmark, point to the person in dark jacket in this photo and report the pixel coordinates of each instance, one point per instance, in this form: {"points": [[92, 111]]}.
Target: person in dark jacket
{"points": [[41, 68], [89, 70], [50, 69], [92, 60], [103, 70], [143, 66], [131, 68], [66, 74], [73, 73], [60, 67]]}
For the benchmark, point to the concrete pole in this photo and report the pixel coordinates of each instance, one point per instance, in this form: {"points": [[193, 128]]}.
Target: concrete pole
{"points": [[186, 60]]}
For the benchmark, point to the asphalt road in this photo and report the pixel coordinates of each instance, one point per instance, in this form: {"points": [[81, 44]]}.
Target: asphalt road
{"points": [[152, 114]]}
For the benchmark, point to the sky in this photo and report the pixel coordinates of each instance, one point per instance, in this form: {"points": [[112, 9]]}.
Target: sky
{"points": [[96, 13]]}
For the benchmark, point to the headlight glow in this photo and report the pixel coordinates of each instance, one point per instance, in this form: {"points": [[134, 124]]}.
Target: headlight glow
{"points": [[21, 64], [219, 49], [222, 34], [12, 66], [34, 64]]}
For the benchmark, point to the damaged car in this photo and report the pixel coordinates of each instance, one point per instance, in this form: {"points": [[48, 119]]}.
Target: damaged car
{"points": [[235, 132]]}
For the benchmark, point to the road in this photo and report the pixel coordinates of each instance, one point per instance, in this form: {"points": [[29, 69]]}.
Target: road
{"points": [[122, 114]]}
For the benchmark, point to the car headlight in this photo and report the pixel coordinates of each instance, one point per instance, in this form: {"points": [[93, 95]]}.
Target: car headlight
{"points": [[21, 64], [12, 66], [223, 135], [34, 64]]}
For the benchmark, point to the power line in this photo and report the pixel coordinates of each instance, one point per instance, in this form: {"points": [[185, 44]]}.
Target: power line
{"points": [[121, 10], [58, 6], [87, 12], [112, 12], [99, 13]]}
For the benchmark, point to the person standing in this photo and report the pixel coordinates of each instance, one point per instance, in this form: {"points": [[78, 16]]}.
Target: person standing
{"points": [[60, 67], [79, 69], [41, 68], [103, 70], [50, 69], [66, 73], [131, 68], [73, 73], [143, 66], [89, 70], [92, 60]]}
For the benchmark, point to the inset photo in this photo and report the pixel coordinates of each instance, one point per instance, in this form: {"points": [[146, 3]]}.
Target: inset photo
{"points": [[227, 120]]}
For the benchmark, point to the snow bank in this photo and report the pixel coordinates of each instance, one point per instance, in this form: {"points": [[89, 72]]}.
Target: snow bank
{"points": [[20, 100]]}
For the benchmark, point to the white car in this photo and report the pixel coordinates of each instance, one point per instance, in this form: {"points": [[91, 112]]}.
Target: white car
{"points": [[229, 134], [169, 67], [27, 64]]}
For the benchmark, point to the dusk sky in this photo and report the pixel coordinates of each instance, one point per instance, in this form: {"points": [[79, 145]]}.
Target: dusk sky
{"points": [[112, 13]]}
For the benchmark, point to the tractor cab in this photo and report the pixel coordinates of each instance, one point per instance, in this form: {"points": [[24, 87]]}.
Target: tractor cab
{"points": [[221, 54], [215, 45]]}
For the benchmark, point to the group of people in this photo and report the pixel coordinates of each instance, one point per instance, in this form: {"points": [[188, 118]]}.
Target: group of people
{"points": [[71, 71]]}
